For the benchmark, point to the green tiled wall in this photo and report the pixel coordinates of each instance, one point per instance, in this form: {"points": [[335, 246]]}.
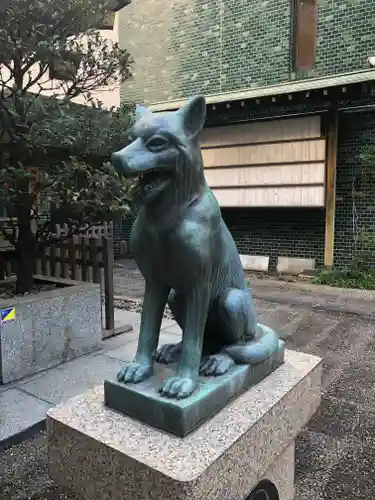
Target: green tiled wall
{"points": [[182, 47], [345, 35]]}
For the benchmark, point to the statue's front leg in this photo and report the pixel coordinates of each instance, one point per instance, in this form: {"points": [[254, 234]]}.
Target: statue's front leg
{"points": [[184, 382], [152, 314]]}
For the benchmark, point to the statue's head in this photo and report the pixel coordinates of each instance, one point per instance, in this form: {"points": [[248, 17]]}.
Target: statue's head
{"points": [[164, 151]]}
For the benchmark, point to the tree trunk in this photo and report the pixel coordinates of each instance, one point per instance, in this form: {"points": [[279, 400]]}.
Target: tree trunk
{"points": [[25, 249]]}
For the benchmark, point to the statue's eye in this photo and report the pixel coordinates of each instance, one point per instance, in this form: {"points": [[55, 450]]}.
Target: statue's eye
{"points": [[156, 143]]}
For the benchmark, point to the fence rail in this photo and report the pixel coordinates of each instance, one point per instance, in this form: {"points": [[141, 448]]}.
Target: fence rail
{"points": [[87, 257]]}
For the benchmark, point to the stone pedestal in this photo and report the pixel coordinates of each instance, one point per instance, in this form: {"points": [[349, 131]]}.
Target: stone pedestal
{"points": [[180, 416], [96, 452], [49, 328]]}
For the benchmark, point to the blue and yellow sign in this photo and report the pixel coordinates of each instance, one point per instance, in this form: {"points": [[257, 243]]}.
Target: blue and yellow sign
{"points": [[7, 314]]}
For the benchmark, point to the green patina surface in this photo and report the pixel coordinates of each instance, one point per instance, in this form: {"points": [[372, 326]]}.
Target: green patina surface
{"points": [[190, 261], [211, 46], [179, 417]]}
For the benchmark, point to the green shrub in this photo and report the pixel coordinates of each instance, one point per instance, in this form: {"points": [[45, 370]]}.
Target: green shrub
{"points": [[363, 280]]}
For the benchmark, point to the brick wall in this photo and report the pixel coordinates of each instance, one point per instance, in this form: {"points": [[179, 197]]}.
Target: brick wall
{"points": [[182, 47], [232, 45], [273, 232], [299, 232], [355, 130], [345, 35], [277, 232], [121, 232]]}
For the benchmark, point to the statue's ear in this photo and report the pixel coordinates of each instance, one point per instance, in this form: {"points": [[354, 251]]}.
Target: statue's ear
{"points": [[141, 111], [193, 115]]}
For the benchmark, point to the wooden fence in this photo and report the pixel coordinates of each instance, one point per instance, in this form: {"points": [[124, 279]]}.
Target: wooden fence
{"points": [[87, 257]]}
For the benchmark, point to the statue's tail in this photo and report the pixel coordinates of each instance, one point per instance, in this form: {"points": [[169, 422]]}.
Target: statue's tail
{"points": [[255, 351]]}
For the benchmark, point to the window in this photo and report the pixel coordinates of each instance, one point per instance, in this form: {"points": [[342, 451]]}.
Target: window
{"points": [[305, 16]]}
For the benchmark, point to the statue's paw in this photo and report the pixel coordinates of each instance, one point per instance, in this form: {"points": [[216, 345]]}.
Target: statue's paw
{"points": [[168, 353], [215, 365], [178, 387], [132, 373]]}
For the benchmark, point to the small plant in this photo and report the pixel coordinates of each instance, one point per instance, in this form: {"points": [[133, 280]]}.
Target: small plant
{"points": [[361, 270], [364, 280]]}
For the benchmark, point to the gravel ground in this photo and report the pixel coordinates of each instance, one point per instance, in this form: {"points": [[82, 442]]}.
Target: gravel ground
{"points": [[335, 454], [136, 306], [8, 290], [24, 474]]}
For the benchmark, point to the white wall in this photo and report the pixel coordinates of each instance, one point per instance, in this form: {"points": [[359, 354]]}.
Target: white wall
{"points": [[109, 97]]}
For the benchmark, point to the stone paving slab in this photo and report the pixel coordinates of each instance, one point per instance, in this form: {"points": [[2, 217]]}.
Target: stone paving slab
{"points": [[72, 378], [31, 397], [125, 317], [19, 413], [175, 329], [127, 352]]}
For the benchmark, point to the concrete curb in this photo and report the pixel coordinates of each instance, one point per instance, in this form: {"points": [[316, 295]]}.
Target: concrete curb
{"points": [[323, 303], [310, 288], [27, 433], [108, 334]]}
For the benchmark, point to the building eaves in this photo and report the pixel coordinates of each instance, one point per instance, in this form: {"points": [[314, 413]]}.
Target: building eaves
{"points": [[274, 90]]}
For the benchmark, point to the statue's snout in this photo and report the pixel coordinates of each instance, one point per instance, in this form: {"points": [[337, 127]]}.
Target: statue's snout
{"points": [[120, 162]]}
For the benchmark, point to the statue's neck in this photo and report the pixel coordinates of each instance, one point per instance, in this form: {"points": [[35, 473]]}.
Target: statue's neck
{"points": [[173, 204]]}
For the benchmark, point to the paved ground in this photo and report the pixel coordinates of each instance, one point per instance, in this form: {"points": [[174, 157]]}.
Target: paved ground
{"points": [[335, 453], [128, 282], [23, 404]]}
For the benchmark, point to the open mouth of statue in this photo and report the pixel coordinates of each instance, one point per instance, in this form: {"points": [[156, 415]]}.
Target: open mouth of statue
{"points": [[153, 180]]}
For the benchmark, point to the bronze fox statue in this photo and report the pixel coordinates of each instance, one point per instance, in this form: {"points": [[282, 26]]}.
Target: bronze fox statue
{"points": [[187, 256]]}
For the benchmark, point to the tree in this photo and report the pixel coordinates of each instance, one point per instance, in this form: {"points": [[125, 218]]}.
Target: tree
{"points": [[53, 166]]}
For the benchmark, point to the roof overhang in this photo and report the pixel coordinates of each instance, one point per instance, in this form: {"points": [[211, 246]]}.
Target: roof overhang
{"points": [[274, 90]]}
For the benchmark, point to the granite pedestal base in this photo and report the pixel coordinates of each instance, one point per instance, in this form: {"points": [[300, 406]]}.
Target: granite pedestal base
{"points": [[96, 452]]}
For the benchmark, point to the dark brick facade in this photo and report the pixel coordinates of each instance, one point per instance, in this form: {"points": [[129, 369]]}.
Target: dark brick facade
{"points": [[216, 46], [231, 45], [274, 232], [345, 36], [278, 232], [355, 200], [121, 232]]}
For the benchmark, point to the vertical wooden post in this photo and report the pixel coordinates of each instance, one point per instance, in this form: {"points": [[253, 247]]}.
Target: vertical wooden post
{"points": [[52, 260], [84, 254], [65, 253], [332, 139], [43, 261], [73, 257], [94, 257], [108, 283], [58, 253]]}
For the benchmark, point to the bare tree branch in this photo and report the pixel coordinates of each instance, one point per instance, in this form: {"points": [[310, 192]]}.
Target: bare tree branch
{"points": [[32, 81]]}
